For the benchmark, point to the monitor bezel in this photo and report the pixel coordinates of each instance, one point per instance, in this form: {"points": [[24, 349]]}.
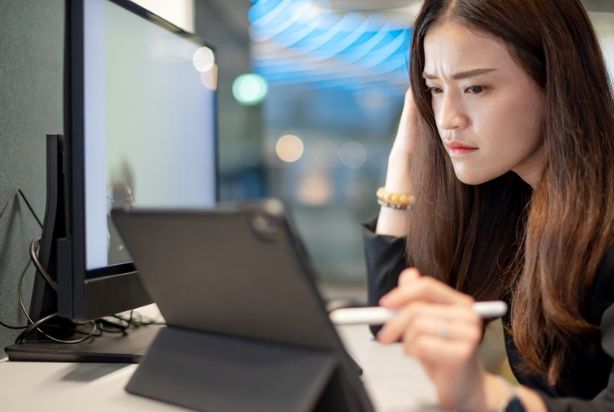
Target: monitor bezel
{"points": [[89, 294]]}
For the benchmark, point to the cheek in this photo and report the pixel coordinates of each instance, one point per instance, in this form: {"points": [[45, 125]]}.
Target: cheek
{"points": [[513, 120], [435, 108]]}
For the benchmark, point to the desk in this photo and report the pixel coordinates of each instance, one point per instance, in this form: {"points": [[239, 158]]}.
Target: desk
{"points": [[394, 382]]}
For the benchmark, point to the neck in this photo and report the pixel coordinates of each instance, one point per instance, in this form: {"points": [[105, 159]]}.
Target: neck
{"points": [[531, 169]]}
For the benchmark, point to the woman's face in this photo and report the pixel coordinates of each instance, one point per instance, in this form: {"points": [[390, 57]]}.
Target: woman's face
{"points": [[488, 111]]}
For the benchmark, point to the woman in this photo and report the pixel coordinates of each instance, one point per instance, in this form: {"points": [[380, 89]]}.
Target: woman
{"points": [[507, 145]]}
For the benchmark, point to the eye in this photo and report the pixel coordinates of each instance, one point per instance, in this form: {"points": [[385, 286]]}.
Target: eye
{"points": [[434, 90], [474, 89]]}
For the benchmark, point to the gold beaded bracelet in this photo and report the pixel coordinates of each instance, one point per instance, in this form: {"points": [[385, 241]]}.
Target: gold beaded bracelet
{"points": [[398, 201]]}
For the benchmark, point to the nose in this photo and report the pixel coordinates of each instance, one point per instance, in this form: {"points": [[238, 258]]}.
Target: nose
{"points": [[450, 114]]}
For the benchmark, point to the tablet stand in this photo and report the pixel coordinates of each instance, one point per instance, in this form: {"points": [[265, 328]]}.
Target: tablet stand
{"points": [[213, 372]]}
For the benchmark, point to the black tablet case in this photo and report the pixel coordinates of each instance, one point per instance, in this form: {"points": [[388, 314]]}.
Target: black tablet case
{"points": [[247, 329]]}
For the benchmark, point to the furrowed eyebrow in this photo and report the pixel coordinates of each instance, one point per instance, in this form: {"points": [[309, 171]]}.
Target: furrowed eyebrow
{"points": [[460, 75]]}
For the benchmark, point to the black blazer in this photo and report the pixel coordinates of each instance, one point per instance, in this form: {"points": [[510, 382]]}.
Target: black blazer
{"points": [[587, 384]]}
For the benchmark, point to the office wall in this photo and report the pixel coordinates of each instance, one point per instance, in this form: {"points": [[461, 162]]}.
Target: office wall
{"points": [[31, 50], [224, 24]]}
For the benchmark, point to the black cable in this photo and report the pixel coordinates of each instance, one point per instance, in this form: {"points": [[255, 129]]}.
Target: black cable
{"points": [[129, 321], [6, 204], [112, 327], [6, 325], [98, 326], [126, 323], [34, 258], [41, 322], [132, 321], [4, 208], [34, 325], [19, 294], [25, 199], [37, 324]]}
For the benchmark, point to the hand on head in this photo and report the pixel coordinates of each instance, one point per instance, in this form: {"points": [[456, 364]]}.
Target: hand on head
{"points": [[407, 133]]}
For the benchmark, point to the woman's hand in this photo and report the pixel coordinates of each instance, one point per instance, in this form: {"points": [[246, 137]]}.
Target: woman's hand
{"points": [[398, 179], [439, 328], [399, 159]]}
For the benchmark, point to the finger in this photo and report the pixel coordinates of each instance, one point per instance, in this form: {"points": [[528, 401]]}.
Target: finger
{"points": [[426, 289], [445, 321], [409, 275], [410, 114], [442, 329], [409, 108], [404, 142], [435, 351], [394, 329]]}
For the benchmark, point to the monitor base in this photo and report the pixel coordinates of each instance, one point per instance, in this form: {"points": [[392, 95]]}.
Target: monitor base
{"points": [[108, 348]]}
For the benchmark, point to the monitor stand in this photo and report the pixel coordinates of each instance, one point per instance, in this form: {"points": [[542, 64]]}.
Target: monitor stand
{"points": [[108, 348]]}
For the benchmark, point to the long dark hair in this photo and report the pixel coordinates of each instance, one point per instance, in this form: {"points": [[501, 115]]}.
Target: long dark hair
{"points": [[541, 247]]}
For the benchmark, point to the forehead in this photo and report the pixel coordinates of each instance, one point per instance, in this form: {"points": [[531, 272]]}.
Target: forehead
{"points": [[452, 46]]}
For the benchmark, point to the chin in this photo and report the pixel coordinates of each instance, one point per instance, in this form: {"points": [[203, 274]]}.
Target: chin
{"points": [[473, 179]]}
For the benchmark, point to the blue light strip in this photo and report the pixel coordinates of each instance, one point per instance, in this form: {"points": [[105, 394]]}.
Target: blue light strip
{"points": [[305, 44]]}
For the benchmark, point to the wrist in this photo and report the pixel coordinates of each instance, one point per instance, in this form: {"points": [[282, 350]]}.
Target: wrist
{"points": [[497, 393], [398, 174], [490, 394], [399, 201]]}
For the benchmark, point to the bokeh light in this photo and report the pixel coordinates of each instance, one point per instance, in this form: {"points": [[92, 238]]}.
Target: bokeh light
{"points": [[249, 89], [203, 59], [289, 148], [352, 154], [315, 189]]}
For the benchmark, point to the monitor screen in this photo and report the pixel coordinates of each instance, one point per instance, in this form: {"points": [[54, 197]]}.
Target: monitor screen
{"points": [[140, 106], [140, 111], [149, 123]]}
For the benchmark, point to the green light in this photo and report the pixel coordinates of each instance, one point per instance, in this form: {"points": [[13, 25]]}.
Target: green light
{"points": [[249, 89]]}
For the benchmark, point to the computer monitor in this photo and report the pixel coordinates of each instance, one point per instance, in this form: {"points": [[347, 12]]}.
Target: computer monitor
{"points": [[140, 130]]}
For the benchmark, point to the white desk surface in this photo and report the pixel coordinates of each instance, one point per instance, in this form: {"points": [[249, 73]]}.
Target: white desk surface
{"points": [[394, 382]]}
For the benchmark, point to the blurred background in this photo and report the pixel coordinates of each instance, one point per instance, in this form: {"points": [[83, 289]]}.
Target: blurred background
{"points": [[310, 94]]}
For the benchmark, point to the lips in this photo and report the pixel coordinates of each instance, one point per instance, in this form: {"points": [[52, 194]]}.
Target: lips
{"points": [[457, 148]]}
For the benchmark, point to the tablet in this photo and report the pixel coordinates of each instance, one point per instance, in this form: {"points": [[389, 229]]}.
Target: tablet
{"points": [[240, 273]]}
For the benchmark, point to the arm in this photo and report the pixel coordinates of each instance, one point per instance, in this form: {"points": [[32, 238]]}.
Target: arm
{"points": [[441, 331], [384, 240], [392, 222], [385, 258]]}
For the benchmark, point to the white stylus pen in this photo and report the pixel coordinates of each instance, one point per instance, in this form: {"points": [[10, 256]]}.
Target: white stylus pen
{"points": [[378, 315]]}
